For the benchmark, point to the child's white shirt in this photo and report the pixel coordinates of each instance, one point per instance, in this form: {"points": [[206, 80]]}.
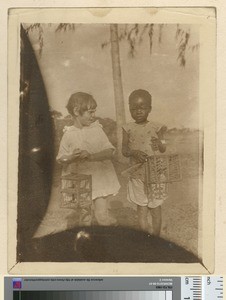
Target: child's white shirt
{"points": [[92, 139]]}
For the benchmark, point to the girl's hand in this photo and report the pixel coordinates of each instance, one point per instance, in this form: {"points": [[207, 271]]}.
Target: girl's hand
{"points": [[139, 155], [75, 154], [68, 159], [84, 154]]}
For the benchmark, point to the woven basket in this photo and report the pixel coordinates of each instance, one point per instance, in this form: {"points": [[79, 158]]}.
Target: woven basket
{"points": [[163, 169], [78, 193]]}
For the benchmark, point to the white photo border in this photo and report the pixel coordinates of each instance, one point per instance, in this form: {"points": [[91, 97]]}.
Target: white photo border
{"points": [[206, 18]]}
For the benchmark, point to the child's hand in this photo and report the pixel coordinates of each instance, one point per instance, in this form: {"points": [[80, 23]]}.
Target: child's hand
{"points": [[139, 155], [76, 152], [84, 154], [68, 159], [155, 143]]}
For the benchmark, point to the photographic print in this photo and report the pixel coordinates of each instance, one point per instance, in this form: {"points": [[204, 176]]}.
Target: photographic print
{"points": [[115, 131]]}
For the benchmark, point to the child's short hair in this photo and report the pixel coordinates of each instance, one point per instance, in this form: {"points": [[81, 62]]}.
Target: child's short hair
{"points": [[82, 101], [140, 94]]}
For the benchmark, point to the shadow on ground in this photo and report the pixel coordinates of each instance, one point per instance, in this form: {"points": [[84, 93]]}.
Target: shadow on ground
{"points": [[107, 244]]}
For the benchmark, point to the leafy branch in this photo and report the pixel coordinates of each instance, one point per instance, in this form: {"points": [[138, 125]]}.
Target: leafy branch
{"points": [[61, 27], [65, 26], [37, 27], [134, 34]]}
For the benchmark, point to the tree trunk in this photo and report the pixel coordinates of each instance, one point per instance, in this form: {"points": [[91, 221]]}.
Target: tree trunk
{"points": [[118, 90]]}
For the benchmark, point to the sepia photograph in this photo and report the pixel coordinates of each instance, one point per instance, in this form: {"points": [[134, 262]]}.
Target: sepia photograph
{"points": [[114, 126]]}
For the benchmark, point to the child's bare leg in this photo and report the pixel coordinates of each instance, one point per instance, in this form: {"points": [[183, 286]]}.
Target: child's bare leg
{"points": [[156, 214], [142, 217], [149, 221], [101, 212], [85, 218]]}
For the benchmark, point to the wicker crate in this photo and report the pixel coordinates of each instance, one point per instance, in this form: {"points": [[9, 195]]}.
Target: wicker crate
{"points": [[77, 192], [163, 169]]}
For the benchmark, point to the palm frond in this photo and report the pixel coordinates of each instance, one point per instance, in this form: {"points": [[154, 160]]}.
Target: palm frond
{"points": [[65, 26], [38, 27], [151, 33], [144, 29], [182, 48], [105, 44], [160, 33]]}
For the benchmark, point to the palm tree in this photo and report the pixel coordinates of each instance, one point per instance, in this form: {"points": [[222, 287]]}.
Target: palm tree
{"points": [[117, 81]]}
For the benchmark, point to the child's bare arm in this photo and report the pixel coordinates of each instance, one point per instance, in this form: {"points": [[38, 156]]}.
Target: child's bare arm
{"points": [[125, 144], [127, 152], [157, 145], [67, 159], [85, 155], [158, 142], [102, 155], [70, 158]]}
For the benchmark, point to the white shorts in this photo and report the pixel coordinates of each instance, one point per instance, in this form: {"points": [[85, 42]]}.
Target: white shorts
{"points": [[136, 193]]}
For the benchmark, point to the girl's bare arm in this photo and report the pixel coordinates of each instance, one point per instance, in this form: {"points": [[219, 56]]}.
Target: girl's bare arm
{"points": [[102, 155], [67, 159], [70, 158]]}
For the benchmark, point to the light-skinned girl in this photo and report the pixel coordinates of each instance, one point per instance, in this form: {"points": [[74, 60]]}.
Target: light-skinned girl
{"points": [[85, 149]]}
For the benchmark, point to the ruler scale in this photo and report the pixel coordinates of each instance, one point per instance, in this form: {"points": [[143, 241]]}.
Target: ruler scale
{"points": [[202, 288], [213, 287]]}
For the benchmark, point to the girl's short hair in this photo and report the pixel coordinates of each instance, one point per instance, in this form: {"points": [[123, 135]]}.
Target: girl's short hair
{"points": [[81, 101], [140, 94]]}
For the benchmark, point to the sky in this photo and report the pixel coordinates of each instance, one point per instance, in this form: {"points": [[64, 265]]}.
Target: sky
{"points": [[74, 61]]}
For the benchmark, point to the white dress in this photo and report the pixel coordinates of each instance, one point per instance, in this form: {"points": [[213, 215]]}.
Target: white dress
{"points": [[92, 139], [104, 179]]}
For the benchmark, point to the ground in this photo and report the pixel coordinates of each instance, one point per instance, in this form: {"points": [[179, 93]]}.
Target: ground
{"points": [[180, 211]]}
